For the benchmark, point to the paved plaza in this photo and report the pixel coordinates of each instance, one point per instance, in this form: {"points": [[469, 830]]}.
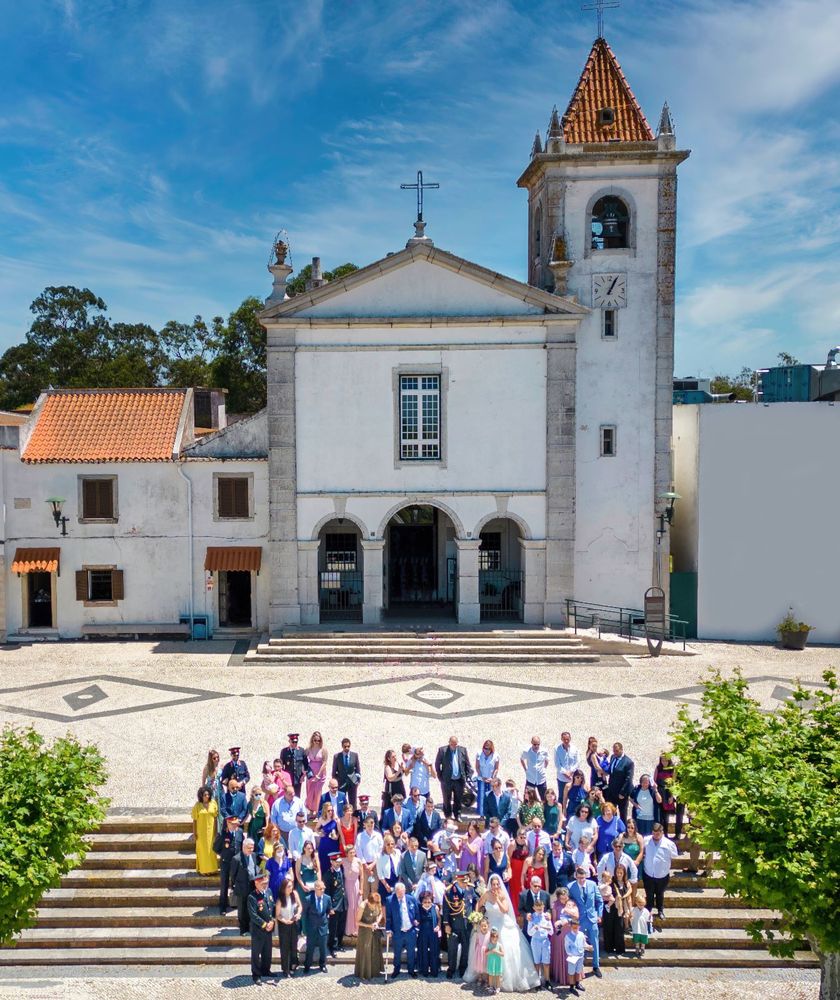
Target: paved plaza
{"points": [[155, 709]]}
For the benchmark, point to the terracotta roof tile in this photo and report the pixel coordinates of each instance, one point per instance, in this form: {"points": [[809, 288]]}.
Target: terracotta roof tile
{"points": [[603, 85], [233, 557], [36, 560], [106, 425]]}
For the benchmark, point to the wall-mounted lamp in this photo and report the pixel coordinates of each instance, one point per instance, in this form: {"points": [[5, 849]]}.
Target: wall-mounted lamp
{"points": [[670, 498], [56, 503]]}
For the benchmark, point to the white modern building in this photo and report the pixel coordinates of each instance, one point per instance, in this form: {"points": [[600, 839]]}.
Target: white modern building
{"points": [[439, 439]]}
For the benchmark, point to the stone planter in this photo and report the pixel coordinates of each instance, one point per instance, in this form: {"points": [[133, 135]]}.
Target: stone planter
{"points": [[794, 640]]}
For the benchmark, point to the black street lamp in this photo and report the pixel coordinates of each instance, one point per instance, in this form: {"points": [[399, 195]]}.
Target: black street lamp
{"points": [[60, 522]]}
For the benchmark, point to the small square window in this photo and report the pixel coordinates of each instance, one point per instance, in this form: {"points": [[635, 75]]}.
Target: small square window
{"points": [[100, 585], [609, 330], [608, 440], [233, 500], [98, 498], [606, 116]]}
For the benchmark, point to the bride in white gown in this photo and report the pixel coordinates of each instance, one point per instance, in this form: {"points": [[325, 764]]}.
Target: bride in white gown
{"points": [[519, 972]]}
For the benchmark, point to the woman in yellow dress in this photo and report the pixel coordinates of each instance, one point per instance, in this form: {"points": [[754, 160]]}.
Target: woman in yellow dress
{"points": [[204, 814]]}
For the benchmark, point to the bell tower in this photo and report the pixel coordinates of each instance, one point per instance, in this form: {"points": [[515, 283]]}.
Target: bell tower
{"points": [[602, 192]]}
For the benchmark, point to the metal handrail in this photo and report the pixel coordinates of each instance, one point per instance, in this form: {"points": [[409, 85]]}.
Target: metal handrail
{"points": [[627, 622]]}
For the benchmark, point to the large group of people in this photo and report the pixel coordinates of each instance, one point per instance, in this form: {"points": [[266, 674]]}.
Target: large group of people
{"points": [[514, 897]]}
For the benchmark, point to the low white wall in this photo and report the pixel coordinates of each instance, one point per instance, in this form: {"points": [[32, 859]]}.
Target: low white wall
{"points": [[768, 527]]}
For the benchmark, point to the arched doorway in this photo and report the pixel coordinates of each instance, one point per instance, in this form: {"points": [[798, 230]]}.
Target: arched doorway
{"points": [[420, 564], [500, 577], [340, 572]]}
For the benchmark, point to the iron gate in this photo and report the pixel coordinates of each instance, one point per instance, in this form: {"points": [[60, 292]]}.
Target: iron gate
{"points": [[500, 594], [341, 593]]}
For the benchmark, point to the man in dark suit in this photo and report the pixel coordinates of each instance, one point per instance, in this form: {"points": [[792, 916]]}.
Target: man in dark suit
{"points": [[412, 864], [561, 868], [398, 813], [528, 897], [346, 771], [243, 870], [334, 887], [620, 783], [227, 845], [336, 798], [295, 762], [427, 823], [401, 922], [454, 770], [317, 910], [493, 802]]}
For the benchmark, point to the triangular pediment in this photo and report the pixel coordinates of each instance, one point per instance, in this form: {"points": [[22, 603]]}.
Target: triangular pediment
{"points": [[423, 281]]}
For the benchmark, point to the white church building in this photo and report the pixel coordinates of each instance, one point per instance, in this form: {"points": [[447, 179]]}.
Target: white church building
{"points": [[440, 440]]}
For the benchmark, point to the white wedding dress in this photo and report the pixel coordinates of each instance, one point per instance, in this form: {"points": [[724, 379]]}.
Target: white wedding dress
{"points": [[519, 974]]}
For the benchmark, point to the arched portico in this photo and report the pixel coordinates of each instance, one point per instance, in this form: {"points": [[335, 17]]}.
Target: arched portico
{"points": [[340, 569], [420, 561], [501, 576]]}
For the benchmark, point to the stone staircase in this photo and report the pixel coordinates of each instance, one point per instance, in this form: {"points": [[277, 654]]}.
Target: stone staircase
{"points": [[506, 646], [136, 900]]}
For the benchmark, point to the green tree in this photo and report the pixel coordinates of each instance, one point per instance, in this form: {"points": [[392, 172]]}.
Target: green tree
{"points": [[189, 349], [787, 360], [49, 800], [239, 365], [761, 789], [742, 384], [298, 283]]}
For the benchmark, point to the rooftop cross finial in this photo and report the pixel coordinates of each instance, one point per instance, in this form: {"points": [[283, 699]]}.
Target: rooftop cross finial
{"points": [[598, 6], [420, 187]]}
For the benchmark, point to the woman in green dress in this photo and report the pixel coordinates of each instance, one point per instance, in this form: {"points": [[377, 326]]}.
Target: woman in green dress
{"points": [[307, 873], [531, 807], [257, 815], [551, 811], [369, 960]]}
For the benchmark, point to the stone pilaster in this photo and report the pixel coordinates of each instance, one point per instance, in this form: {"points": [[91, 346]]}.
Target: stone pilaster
{"points": [[469, 611], [560, 473], [308, 591], [284, 604], [666, 252], [373, 552], [532, 559]]}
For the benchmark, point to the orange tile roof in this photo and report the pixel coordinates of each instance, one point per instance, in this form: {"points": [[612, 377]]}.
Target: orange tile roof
{"points": [[233, 557], [603, 85], [106, 425], [36, 560]]}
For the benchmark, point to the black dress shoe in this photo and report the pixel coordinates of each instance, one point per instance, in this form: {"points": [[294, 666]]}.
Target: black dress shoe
{"points": [[597, 974]]}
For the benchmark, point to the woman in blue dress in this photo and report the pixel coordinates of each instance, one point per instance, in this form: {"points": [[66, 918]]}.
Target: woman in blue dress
{"points": [[573, 794], [610, 825], [497, 862], [428, 938], [327, 828]]}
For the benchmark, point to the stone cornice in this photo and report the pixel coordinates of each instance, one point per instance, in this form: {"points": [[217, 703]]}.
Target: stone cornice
{"points": [[600, 154]]}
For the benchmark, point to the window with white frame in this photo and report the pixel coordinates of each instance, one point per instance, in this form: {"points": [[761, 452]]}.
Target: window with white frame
{"points": [[607, 440], [420, 417]]}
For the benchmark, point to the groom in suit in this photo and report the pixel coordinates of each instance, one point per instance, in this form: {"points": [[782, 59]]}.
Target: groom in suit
{"points": [[345, 769], [453, 767], [317, 910], [401, 921], [590, 903]]}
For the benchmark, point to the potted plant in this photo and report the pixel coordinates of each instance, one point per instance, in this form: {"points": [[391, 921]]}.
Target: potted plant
{"points": [[793, 634]]}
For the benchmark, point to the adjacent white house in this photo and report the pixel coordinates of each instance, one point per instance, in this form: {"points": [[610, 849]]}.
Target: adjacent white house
{"points": [[439, 439]]}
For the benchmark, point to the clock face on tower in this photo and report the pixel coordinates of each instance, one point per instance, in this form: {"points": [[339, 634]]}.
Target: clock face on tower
{"points": [[609, 291]]}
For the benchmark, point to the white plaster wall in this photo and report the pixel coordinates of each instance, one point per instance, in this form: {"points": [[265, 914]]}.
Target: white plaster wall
{"points": [[149, 542], [494, 420], [768, 527], [684, 530], [616, 382], [421, 288]]}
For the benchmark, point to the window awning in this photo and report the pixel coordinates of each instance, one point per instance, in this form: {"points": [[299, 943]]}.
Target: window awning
{"points": [[233, 557], [36, 560]]}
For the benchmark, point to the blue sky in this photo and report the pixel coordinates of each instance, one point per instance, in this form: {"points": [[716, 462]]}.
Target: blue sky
{"points": [[150, 149]]}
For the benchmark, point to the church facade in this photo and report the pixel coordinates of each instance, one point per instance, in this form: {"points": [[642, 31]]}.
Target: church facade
{"points": [[444, 436], [440, 440]]}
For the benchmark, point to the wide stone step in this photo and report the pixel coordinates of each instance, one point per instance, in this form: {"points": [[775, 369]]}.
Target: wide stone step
{"points": [[725, 958], [132, 842], [133, 879], [154, 825], [481, 635], [179, 860], [82, 900], [268, 654], [410, 642]]}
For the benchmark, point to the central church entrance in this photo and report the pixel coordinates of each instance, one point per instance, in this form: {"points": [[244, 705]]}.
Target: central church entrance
{"points": [[420, 565]]}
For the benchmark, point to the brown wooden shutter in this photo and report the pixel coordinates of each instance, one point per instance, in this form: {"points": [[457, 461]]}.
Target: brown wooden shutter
{"points": [[90, 497], [117, 585], [81, 585], [226, 500], [240, 497], [106, 497]]}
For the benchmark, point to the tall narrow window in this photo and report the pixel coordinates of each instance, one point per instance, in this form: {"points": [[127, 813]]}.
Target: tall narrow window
{"points": [[610, 328], [420, 417], [608, 440]]}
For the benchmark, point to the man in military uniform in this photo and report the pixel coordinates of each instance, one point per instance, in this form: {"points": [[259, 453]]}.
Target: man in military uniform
{"points": [[334, 887], [236, 768], [363, 812], [458, 901], [261, 913], [295, 762], [227, 844]]}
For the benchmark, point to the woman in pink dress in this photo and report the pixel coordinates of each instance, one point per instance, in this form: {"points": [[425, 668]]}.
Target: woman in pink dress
{"points": [[353, 888], [562, 912], [473, 852], [316, 757]]}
